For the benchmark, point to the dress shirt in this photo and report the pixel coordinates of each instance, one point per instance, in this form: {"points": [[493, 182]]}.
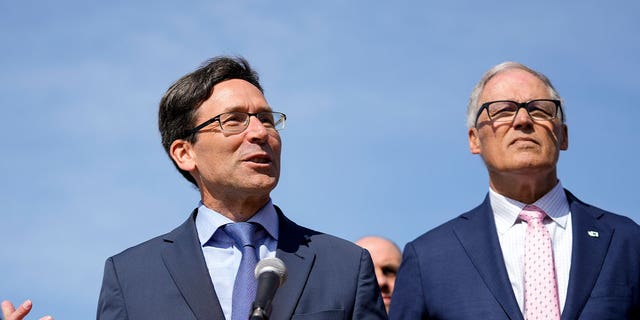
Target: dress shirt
{"points": [[512, 230], [220, 251]]}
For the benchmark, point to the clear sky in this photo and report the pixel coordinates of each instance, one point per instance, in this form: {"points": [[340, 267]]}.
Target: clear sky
{"points": [[375, 95]]}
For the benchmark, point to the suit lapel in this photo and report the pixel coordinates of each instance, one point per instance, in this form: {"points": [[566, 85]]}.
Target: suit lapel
{"points": [[590, 245], [293, 250], [476, 232], [183, 258]]}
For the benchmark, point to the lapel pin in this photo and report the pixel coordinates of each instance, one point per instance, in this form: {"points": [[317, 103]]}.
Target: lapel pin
{"points": [[593, 234]]}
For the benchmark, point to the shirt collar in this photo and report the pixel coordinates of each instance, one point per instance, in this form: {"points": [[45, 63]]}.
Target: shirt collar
{"points": [[506, 210], [208, 221]]}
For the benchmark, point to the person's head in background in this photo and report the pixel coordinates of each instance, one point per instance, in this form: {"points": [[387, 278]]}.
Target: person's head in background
{"points": [[386, 257]]}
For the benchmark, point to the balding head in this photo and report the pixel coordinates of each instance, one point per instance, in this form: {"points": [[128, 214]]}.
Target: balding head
{"points": [[386, 258]]}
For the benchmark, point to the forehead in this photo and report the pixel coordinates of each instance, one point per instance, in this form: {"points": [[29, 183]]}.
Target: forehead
{"points": [[234, 95], [381, 249], [514, 84]]}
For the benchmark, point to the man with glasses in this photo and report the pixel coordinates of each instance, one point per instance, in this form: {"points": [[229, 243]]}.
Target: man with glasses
{"points": [[223, 136], [531, 250]]}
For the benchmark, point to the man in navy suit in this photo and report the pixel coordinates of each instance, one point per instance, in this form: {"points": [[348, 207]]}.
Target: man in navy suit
{"points": [[473, 267], [223, 136]]}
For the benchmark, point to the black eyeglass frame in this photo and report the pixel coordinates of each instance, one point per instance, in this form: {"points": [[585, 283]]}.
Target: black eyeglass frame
{"points": [[201, 126], [519, 105]]}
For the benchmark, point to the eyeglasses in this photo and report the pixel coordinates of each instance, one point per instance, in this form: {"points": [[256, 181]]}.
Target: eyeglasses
{"points": [[236, 122], [506, 110]]}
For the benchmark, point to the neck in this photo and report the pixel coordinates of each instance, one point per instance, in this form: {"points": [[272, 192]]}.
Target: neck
{"points": [[236, 209], [522, 187]]}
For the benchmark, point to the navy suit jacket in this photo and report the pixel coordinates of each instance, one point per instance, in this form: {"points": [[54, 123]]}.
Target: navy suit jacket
{"points": [[167, 278], [457, 271]]}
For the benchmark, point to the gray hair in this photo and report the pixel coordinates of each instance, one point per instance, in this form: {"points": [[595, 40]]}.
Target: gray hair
{"points": [[474, 103]]}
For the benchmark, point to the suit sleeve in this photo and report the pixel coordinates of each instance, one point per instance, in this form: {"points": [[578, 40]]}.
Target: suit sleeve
{"points": [[368, 304], [407, 301], [111, 305]]}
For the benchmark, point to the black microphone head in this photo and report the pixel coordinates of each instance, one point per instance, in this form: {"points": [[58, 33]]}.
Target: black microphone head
{"points": [[274, 265]]}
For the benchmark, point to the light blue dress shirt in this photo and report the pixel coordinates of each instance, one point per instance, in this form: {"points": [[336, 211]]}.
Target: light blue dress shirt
{"points": [[221, 254]]}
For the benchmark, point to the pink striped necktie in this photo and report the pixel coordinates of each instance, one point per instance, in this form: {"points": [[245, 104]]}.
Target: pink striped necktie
{"points": [[540, 282]]}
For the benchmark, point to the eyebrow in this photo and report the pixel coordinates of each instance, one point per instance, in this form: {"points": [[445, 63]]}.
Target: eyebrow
{"points": [[242, 108]]}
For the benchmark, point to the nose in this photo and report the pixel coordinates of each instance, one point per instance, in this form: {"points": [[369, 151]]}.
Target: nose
{"points": [[522, 119], [383, 283], [256, 131]]}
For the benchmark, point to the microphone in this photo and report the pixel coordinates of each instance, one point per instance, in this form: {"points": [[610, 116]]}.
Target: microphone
{"points": [[271, 274]]}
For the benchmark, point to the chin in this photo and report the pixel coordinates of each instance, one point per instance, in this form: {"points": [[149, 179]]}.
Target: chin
{"points": [[263, 183], [530, 160], [533, 167]]}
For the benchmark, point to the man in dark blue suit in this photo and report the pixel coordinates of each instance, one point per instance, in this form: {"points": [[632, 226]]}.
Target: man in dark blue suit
{"points": [[223, 136], [479, 265]]}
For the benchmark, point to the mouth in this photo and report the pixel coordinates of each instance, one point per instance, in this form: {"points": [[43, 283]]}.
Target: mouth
{"points": [[258, 158], [523, 140]]}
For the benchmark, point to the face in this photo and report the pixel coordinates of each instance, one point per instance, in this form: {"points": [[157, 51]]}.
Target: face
{"points": [[386, 261], [237, 165], [523, 146]]}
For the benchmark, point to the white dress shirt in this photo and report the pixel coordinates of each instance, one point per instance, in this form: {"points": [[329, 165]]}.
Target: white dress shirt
{"points": [[511, 233], [221, 253]]}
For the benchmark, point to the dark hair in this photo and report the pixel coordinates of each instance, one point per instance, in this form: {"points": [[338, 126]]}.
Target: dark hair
{"points": [[177, 111]]}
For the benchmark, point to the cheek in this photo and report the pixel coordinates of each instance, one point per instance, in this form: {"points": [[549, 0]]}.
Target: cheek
{"points": [[561, 139], [215, 157], [276, 142], [492, 144], [379, 274], [493, 135], [276, 147]]}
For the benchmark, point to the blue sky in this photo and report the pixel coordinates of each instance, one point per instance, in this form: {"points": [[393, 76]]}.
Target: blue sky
{"points": [[375, 95]]}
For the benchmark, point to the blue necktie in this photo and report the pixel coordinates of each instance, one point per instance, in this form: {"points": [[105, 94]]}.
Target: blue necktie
{"points": [[244, 287]]}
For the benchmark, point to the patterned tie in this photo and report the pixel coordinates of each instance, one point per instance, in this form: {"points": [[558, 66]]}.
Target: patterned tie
{"points": [[540, 283], [244, 287]]}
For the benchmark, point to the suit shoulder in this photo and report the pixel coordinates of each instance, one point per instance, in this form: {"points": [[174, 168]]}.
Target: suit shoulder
{"points": [[154, 245], [326, 242], [443, 236], [317, 241], [626, 232], [140, 250], [328, 248], [619, 222], [440, 233]]}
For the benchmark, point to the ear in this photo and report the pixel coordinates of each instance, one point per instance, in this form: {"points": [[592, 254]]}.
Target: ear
{"points": [[474, 141], [564, 143], [181, 151]]}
